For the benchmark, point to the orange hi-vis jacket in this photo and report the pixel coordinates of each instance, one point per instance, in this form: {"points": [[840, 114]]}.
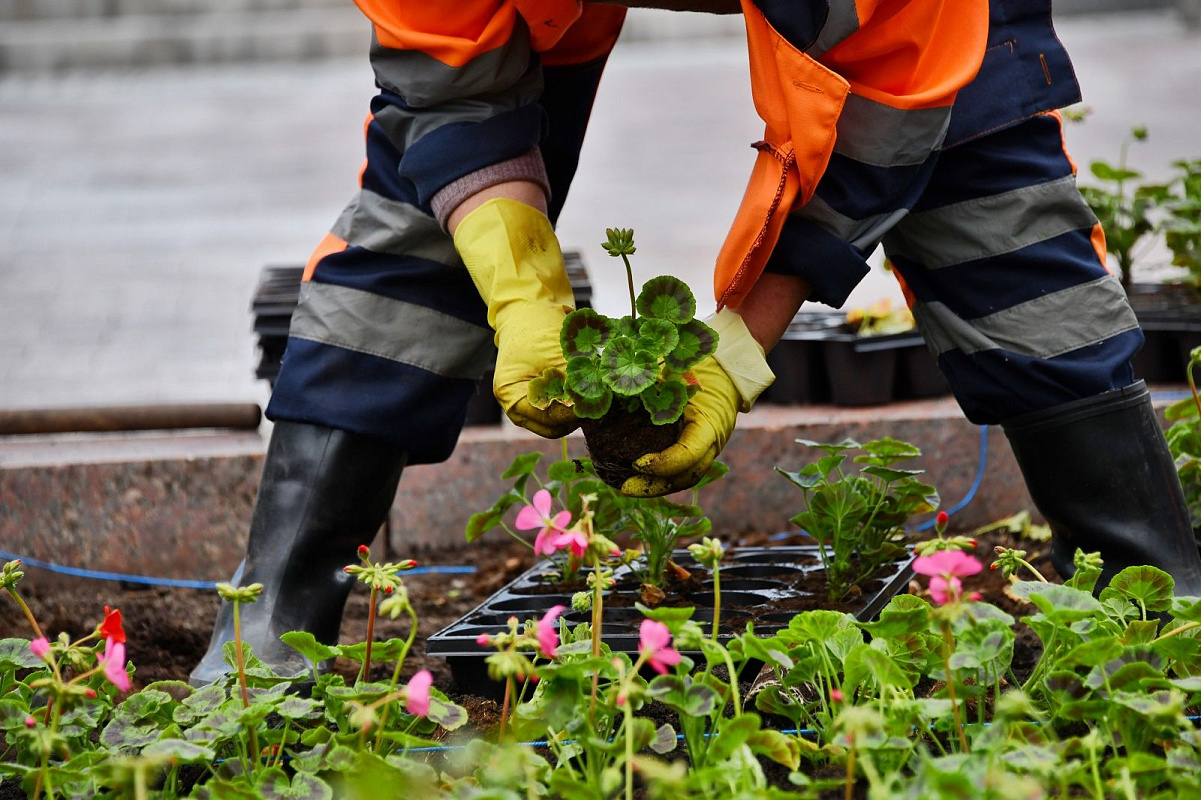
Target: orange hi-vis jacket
{"points": [[473, 84]]}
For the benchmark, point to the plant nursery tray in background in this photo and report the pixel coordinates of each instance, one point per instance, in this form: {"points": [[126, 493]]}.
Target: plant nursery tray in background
{"points": [[762, 585]]}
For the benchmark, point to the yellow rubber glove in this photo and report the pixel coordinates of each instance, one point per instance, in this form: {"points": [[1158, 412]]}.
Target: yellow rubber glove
{"points": [[515, 262], [730, 381]]}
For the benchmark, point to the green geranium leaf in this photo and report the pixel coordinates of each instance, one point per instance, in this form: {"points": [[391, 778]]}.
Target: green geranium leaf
{"points": [[778, 747], [15, 654], [665, 739], [832, 449], [522, 467], [586, 378], [1059, 602], [307, 645], [550, 386], [628, 370], [584, 333], [274, 784], [665, 402], [484, 521], [657, 336], [697, 341], [1107, 172], [180, 751], [447, 714], [625, 326], [1146, 585], [667, 297], [591, 409]]}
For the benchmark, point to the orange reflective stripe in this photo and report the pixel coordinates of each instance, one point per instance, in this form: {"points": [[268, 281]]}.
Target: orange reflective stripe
{"points": [[800, 100], [1098, 240], [453, 36], [906, 292], [592, 37], [330, 244], [1063, 139], [456, 33], [913, 53]]}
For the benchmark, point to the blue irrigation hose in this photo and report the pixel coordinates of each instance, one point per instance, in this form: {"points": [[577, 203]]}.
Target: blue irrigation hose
{"points": [[179, 583], [975, 487]]}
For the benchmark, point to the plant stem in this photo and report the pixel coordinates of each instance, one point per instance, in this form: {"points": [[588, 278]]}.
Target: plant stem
{"points": [[28, 614], [504, 711], [1188, 626], [404, 653], [139, 783], [629, 724], [948, 645], [717, 599], [241, 661], [630, 283], [365, 672], [598, 601], [849, 791]]}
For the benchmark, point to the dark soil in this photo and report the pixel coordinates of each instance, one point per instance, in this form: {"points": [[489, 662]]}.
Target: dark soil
{"points": [[620, 437]]}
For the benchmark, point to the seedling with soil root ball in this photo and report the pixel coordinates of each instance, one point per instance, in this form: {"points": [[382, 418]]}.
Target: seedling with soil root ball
{"points": [[628, 379]]}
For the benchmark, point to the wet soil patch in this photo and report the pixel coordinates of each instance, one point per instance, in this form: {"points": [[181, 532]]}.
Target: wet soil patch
{"points": [[620, 437]]}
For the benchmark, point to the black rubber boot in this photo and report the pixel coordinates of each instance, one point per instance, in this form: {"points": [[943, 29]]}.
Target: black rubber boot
{"points": [[1099, 470], [323, 493]]}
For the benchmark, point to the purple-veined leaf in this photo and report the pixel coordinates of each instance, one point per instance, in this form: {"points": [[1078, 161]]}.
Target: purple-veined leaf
{"points": [[594, 408], [665, 402], [697, 342], [628, 370], [666, 297], [584, 333], [547, 388]]}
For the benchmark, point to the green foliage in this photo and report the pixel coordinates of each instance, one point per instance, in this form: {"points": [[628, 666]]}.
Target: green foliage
{"points": [[1184, 441], [644, 358], [657, 523], [858, 519]]}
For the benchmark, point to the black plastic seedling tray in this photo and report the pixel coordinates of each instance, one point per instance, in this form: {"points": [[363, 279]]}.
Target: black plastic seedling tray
{"points": [[755, 583]]}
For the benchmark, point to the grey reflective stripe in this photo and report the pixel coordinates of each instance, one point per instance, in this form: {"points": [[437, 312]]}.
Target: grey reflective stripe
{"points": [[436, 94], [387, 226], [862, 233], [842, 21], [393, 329], [423, 80], [873, 133], [992, 226], [404, 126], [1045, 327]]}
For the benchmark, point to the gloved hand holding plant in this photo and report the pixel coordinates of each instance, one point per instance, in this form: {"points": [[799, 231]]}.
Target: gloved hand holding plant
{"points": [[516, 264]]}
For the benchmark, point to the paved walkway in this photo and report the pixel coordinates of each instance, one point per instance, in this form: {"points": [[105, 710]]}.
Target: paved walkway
{"points": [[137, 207]]}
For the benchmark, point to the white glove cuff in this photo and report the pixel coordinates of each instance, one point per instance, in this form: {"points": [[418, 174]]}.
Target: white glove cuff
{"points": [[740, 356]]}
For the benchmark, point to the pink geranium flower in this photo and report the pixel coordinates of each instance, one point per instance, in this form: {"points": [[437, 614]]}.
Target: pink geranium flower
{"points": [[945, 569], [574, 540], [40, 648], [537, 515], [548, 632], [417, 693], [654, 642], [113, 662]]}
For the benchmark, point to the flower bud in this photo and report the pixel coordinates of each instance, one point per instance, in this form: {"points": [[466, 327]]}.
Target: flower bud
{"points": [[364, 551], [30, 722]]}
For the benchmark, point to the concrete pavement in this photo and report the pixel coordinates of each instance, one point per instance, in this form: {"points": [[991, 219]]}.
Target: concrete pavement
{"points": [[137, 206]]}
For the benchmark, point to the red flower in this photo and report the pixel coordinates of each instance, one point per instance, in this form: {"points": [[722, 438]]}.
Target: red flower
{"points": [[364, 550], [942, 518], [111, 627]]}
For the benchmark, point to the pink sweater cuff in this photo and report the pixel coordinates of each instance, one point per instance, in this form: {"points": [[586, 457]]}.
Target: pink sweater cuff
{"points": [[526, 167]]}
